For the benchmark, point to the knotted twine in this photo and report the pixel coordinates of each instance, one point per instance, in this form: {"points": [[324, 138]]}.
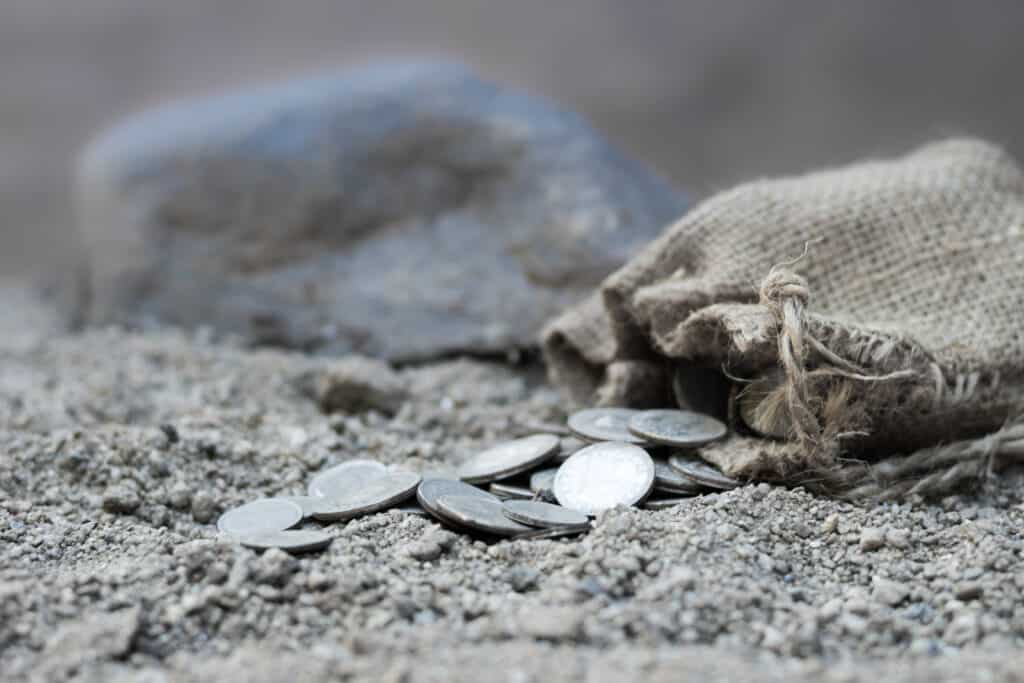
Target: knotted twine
{"points": [[928, 472]]}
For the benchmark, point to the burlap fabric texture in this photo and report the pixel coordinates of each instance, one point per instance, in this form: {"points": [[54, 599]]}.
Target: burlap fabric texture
{"points": [[868, 322]]}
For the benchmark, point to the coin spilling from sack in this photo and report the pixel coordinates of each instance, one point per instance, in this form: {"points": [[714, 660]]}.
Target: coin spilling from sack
{"points": [[544, 485]]}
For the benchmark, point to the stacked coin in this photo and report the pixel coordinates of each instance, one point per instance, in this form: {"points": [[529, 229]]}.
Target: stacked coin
{"points": [[538, 486]]}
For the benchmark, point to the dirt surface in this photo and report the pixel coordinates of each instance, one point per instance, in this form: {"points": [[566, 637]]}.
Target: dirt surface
{"points": [[117, 452]]}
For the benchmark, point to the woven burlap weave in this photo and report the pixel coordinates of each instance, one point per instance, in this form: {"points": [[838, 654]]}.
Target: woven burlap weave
{"points": [[859, 313]]}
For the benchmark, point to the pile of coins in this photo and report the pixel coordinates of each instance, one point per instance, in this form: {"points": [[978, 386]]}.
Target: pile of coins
{"points": [[541, 486]]}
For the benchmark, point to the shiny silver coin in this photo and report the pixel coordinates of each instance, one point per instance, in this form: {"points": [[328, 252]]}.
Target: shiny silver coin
{"points": [[265, 514], [378, 494], [345, 477], [568, 445], [604, 475], [553, 532], [509, 459], [479, 514], [306, 503], [296, 541], [668, 480], [432, 488], [545, 515], [679, 428], [543, 481], [702, 472], [665, 503], [510, 492], [411, 509], [604, 424]]}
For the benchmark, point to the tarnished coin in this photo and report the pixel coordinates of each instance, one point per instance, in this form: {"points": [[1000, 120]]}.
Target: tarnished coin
{"points": [[345, 477], [553, 532], [665, 503], [431, 489], [411, 509], [543, 481], [510, 492], [306, 503], [702, 472], [680, 428], [546, 515], [604, 424], [667, 479], [477, 513], [568, 445], [295, 541], [265, 514], [377, 494], [604, 475], [509, 458]]}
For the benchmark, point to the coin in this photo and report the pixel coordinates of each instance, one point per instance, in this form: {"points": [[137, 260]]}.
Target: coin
{"points": [[553, 532], [341, 478], [568, 445], [378, 494], [265, 514], [431, 489], [680, 428], [508, 491], [604, 424], [296, 541], [702, 472], [546, 515], [604, 475], [665, 503], [411, 509], [508, 459], [667, 479], [306, 503], [543, 481], [477, 513]]}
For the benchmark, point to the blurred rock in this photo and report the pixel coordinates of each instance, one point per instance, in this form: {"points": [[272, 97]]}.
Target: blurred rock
{"points": [[354, 384], [404, 210]]}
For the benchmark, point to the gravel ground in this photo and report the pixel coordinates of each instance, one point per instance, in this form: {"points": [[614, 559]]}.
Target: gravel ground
{"points": [[118, 451]]}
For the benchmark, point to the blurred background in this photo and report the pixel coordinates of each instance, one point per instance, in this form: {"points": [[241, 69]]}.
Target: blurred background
{"points": [[709, 92]]}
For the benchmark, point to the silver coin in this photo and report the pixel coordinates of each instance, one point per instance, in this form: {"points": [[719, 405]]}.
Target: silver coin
{"points": [[510, 492], [679, 428], [265, 514], [604, 424], [431, 489], [306, 503], [604, 475], [702, 472], [376, 495], [568, 445], [543, 481], [296, 541], [479, 514], [546, 515], [344, 477], [411, 509], [509, 459], [553, 532], [668, 480], [665, 503]]}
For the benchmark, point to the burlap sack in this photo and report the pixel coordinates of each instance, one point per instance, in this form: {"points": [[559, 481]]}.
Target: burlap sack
{"points": [[857, 313]]}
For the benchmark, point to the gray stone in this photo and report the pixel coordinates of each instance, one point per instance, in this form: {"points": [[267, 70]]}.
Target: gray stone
{"points": [[121, 500], [889, 592], [403, 210], [871, 539], [356, 383]]}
